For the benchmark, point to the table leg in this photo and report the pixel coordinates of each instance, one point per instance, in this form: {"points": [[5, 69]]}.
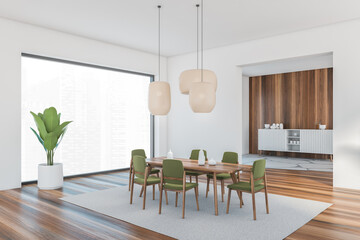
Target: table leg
{"points": [[215, 194]]}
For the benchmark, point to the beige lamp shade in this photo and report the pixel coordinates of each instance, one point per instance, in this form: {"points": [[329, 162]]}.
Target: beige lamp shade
{"points": [[202, 97], [159, 98], [194, 75]]}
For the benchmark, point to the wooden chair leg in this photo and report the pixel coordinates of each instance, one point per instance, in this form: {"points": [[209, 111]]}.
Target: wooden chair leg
{"points": [[130, 178], [196, 197], [241, 200], [166, 197], [228, 202], [207, 186], [190, 179], [132, 189], [266, 195], [154, 192], [160, 200], [222, 190], [130, 173], [254, 206], [253, 194], [267, 203], [183, 203], [144, 199], [176, 200], [141, 191]]}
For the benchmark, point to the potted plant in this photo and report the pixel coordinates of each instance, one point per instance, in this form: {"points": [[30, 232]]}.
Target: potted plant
{"points": [[51, 132]]}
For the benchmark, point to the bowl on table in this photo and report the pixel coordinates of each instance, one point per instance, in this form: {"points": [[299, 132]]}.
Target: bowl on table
{"points": [[212, 162]]}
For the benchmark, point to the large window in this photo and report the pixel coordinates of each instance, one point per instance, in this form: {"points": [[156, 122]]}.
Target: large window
{"points": [[108, 107]]}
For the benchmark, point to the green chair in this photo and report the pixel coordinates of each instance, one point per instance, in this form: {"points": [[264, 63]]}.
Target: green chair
{"points": [[173, 178], [140, 175], [228, 157], [195, 156], [256, 184], [140, 152]]}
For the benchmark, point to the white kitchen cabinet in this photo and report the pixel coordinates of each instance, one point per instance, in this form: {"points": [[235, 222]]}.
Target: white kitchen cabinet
{"points": [[296, 140]]}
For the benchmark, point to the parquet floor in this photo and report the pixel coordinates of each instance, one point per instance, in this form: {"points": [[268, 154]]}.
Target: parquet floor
{"points": [[29, 213]]}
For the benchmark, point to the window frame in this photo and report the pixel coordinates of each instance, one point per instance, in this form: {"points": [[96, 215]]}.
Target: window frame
{"points": [[152, 119]]}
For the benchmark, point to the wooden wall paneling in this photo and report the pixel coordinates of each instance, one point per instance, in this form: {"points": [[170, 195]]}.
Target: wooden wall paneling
{"points": [[300, 100]]}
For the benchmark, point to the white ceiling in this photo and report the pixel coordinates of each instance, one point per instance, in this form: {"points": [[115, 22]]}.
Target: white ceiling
{"points": [[133, 23], [317, 61]]}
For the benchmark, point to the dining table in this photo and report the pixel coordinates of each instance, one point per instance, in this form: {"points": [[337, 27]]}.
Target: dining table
{"points": [[192, 165]]}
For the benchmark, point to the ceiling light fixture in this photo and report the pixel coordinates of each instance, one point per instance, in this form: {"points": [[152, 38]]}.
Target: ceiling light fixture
{"points": [[194, 75], [202, 94], [159, 91]]}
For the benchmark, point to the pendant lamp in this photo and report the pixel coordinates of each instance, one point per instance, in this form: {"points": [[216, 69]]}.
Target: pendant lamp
{"points": [[194, 75], [202, 94], [159, 91]]}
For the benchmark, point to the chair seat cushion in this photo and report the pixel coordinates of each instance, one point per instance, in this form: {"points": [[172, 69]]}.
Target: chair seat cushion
{"points": [[189, 173], [151, 180], [154, 171], [245, 186], [220, 176], [173, 186]]}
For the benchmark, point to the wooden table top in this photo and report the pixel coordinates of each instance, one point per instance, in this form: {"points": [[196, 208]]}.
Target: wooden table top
{"points": [[193, 166]]}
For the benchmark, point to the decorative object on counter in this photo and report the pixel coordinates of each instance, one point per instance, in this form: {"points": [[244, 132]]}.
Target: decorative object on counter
{"points": [[212, 162], [170, 155], [51, 132], [267, 126], [277, 126], [281, 126], [322, 127]]}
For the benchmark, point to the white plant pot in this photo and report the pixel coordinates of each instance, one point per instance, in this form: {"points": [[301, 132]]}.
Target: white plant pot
{"points": [[50, 177]]}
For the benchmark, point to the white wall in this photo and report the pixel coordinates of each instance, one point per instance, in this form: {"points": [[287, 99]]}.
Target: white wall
{"points": [[17, 38], [245, 115], [221, 129], [215, 132]]}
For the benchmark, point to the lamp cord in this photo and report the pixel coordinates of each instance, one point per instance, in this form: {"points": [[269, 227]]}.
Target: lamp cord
{"points": [[197, 36], [202, 40], [159, 7]]}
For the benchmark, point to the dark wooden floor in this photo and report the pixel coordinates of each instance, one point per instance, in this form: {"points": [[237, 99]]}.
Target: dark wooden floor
{"points": [[29, 213]]}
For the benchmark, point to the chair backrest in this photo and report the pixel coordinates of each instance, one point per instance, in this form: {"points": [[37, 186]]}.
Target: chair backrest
{"points": [[173, 169], [205, 154], [259, 170], [138, 152], [195, 154], [139, 164], [230, 157]]}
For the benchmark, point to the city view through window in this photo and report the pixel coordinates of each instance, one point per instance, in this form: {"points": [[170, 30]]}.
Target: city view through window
{"points": [[109, 110]]}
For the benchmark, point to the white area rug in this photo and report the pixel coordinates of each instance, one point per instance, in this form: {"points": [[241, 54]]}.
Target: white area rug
{"points": [[287, 214]]}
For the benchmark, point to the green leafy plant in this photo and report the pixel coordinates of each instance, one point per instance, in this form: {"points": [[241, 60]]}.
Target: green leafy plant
{"points": [[50, 130]]}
